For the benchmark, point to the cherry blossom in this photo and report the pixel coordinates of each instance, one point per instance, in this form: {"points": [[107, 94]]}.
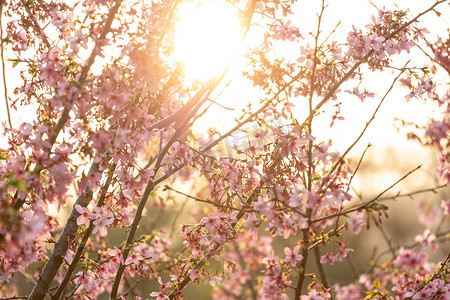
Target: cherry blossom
{"points": [[253, 210], [292, 256]]}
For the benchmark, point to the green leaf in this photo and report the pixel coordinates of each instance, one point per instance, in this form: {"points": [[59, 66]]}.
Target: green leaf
{"points": [[3, 155], [15, 61], [376, 284], [17, 183], [377, 206], [315, 177]]}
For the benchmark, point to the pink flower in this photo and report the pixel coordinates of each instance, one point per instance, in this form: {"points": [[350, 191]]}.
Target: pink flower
{"points": [[116, 252], [83, 219], [429, 213], [102, 217], [134, 259], [313, 295], [361, 95], [427, 239], [343, 251], [193, 274], [292, 256], [350, 292], [355, 222], [410, 96], [214, 280], [159, 296], [261, 205], [328, 258], [100, 225], [407, 259], [164, 286]]}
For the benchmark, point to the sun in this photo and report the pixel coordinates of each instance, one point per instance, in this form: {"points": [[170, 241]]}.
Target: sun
{"points": [[207, 37]]}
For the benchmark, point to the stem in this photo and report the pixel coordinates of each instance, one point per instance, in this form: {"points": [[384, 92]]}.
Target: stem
{"points": [[302, 272], [5, 89], [340, 162], [368, 203], [130, 238], [83, 242], [199, 97], [387, 239], [305, 244]]}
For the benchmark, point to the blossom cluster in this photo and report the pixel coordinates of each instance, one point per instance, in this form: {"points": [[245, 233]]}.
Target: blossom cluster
{"points": [[114, 116]]}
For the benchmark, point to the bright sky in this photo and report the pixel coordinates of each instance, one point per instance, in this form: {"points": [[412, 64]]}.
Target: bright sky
{"points": [[381, 131], [203, 57], [358, 12], [219, 26]]}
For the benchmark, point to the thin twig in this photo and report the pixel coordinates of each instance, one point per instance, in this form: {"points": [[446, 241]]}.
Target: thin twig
{"points": [[364, 59], [5, 88], [357, 167], [368, 203], [353, 266], [341, 160], [441, 237], [433, 190], [386, 238], [166, 187], [243, 266], [305, 232], [175, 219]]}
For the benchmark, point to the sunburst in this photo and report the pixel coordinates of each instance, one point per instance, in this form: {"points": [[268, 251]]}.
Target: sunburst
{"points": [[207, 38]]}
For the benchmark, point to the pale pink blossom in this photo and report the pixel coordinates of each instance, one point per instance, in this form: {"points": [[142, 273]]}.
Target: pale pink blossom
{"points": [[292, 256], [356, 221], [159, 296], [83, 218], [134, 258], [117, 253]]}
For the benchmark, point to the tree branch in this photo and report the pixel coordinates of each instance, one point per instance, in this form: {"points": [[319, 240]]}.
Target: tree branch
{"points": [[86, 236], [5, 88], [19, 201], [62, 245]]}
